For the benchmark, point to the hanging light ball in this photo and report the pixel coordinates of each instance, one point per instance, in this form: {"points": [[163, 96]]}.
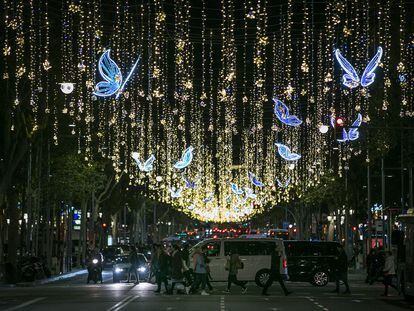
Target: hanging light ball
{"points": [[323, 128], [66, 87]]}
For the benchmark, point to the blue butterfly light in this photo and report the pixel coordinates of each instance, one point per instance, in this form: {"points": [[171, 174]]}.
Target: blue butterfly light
{"points": [[147, 166], [284, 184], [253, 179], [235, 189], [186, 159], [351, 78], [282, 113], [113, 82], [353, 133], [286, 154], [249, 193], [189, 184], [175, 193]]}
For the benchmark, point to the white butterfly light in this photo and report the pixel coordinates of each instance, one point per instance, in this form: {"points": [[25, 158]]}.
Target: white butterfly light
{"points": [[351, 78], [175, 193], [147, 166]]}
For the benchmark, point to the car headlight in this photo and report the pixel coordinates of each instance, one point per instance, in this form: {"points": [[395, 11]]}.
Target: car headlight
{"points": [[118, 270], [142, 269], [95, 261]]}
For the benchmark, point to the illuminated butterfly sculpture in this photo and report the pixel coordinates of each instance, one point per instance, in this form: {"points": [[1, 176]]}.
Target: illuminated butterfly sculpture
{"points": [[249, 193], [235, 189], [353, 132], [176, 193], [209, 198], [113, 82], [186, 159], [283, 184], [286, 154], [190, 184], [351, 78], [253, 179], [147, 166], [282, 113]]}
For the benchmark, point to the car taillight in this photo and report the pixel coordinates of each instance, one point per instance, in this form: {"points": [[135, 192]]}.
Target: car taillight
{"points": [[284, 263]]}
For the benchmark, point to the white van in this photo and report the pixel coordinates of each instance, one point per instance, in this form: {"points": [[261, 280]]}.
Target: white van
{"points": [[254, 253]]}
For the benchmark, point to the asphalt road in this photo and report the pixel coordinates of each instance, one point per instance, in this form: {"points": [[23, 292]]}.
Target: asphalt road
{"points": [[75, 294]]}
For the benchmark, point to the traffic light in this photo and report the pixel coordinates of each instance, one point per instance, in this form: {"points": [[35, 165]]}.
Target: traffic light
{"points": [[339, 128]]}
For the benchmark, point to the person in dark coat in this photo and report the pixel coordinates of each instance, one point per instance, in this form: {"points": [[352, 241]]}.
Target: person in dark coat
{"points": [[163, 268], [275, 272], [177, 276], [341, 270], [233, 265], [133, 259]]}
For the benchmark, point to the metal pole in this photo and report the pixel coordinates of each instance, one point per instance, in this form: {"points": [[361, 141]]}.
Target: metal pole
{"points": [[369, 218], [383, 204], [346, 211], [410, 183], [125, 211]]}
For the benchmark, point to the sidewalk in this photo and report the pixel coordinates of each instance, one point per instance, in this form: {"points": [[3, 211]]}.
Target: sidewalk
{"points": [[52, 279]]}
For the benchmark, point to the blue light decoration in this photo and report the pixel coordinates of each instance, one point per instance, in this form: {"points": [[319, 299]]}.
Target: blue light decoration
{"points": [[351, 78], [285, 153], [253, 179], [113, 82], [353, 133], [282, 113], [209, 198], [186, 159], [235, 189], [249, 194], [189, 184], [284, 184], [176, 193], [147, 166]]}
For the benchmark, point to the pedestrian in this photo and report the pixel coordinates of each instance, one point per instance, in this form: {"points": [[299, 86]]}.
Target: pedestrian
{"points": [[155, 255], [275, 275], [200, 272], [185, 255], [208, 276], [389, 272], [370, 265], [177, 276], [164, 263], [341, 271], [233, 265], [133, 259]]}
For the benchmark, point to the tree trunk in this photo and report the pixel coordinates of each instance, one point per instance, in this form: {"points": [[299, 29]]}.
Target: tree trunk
{"points": [[13, 234], [114, 228], [83, 234]]}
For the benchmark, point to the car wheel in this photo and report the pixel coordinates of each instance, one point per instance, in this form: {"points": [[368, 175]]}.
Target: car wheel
{"points": [[261, 277], [320, 279]]}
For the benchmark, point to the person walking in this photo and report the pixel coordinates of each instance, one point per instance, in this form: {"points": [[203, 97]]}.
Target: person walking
{"points": [[233, 265], [200, 272], [208, 275], [370, 265], [389, 272], [341, 271], [275, 272], [164, 265], [177, 276], [133, 259]]}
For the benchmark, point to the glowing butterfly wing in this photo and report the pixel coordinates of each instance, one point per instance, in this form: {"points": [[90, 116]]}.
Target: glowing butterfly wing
{"points": [[175, 193], [350, 78], [283, 184], [249, 193], [111, 73], [353, 133], [286, 154], [344, 136], [186, 159], [253, 179], [235, 189], [148, 165], [135, 156], [282, 113], [368, 76], [128, 77], [189, 184]]}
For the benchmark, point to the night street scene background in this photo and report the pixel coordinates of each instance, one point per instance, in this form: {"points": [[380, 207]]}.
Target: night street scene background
{"points": [[226, 155]]}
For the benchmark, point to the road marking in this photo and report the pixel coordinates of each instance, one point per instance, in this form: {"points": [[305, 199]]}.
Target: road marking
{"points": [[222, 304], [28, 303], [356, 300], [123, 303], [317, 304]]}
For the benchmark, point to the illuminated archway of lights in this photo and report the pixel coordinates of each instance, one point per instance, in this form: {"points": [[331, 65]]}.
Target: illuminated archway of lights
{"points": [[206, 78]]}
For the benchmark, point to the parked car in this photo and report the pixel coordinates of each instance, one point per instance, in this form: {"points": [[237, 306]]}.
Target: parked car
{"points": [[311, 261], [122, 265], [254, 253], [111, 252]]}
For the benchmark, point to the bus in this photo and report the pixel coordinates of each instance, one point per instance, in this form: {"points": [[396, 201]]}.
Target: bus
{"points": [[406, 254]]}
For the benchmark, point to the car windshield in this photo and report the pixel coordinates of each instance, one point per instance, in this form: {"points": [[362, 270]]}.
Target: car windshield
{"points": [[122, 259]]}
